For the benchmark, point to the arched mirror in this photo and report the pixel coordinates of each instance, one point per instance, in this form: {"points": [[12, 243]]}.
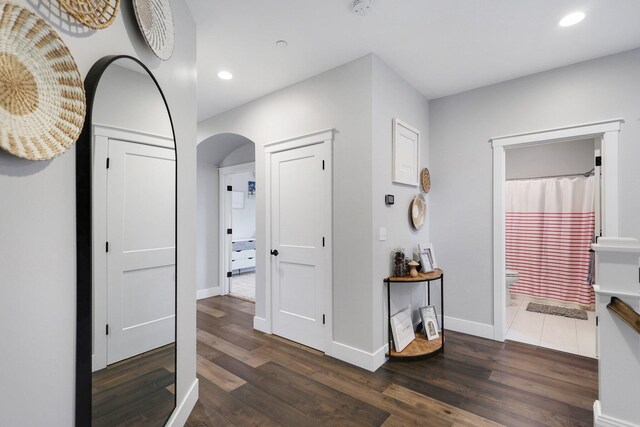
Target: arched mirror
{"points": [[126, 246]]}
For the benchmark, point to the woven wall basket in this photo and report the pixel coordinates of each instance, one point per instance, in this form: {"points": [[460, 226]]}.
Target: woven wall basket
{"points": [[96, 14], [155, 20], [425, 180], [42, 101], [417, 210]]}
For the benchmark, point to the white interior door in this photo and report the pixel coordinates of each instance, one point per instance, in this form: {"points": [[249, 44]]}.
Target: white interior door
{"points": [[141, 273], [298, 219]]}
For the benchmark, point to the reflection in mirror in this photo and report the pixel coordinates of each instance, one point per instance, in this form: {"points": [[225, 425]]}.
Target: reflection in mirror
{"points": [[134, 273]]}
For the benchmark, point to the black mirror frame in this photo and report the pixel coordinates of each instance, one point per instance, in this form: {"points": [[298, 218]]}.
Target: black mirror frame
{"points": [[84, 256]]}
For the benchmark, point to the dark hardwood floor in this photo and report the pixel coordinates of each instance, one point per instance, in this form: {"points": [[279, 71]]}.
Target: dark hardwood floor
{"points": [[249, 378], [139, 391]]}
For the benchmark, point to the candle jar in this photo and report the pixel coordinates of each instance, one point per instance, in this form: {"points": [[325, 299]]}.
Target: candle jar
{"points": [[398, 263]]}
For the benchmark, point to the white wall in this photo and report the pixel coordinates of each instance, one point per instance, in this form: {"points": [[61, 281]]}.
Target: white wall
{"points": [[37, 231], [244, 220], [207, 258], [461, 168], [339, 98], [127, 99], [244, 154], [394, 97], [560, 158]]}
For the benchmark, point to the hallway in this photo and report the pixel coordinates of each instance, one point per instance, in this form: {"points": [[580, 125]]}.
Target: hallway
{"points": [[249, 378]]}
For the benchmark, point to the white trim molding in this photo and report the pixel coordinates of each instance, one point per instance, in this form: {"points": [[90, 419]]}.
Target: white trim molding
{"points": [[357, 357], [482, 330], [609, 133], [184, 408], [300, 141], [601, 420], [261, 324], [207, 293], [558, 134], [132, 135]]}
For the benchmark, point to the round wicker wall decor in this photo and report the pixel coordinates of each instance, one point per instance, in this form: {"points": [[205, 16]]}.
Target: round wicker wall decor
{"points": [[418, 210], [155, 20], [96, 14], [42, 100], [425, 180]]}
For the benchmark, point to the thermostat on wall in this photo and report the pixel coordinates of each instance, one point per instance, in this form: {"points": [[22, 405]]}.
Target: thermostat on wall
{"points": [[388, 199]]}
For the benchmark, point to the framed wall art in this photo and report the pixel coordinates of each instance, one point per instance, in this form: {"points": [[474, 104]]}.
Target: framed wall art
{"points": [[406, 154]]}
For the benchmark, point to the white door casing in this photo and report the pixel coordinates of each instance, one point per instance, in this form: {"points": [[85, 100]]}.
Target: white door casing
{"points": [[299, 280], [609, 132], [141, 254]]}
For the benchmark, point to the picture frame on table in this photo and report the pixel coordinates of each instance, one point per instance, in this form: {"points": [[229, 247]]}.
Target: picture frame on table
{"points": [[406, 154], [427, 257], [431, 330], [402, 329], [430, 324]]}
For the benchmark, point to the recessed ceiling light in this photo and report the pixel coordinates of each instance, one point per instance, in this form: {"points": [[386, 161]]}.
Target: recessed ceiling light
{"points": [[225, 75], [282, 44], [571, 19]]}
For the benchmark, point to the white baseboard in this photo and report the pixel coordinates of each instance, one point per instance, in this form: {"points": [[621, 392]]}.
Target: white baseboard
{"points": [[260, 324], [207, 293], [468, 327], [184, 408], [357, 357], [379, 357], [600, 420]]}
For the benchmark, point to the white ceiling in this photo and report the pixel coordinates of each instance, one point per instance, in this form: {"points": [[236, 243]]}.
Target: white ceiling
{"points": [[441, 47]]}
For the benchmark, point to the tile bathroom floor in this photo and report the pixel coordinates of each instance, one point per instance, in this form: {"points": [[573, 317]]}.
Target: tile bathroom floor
{"points": [[554, 332]]}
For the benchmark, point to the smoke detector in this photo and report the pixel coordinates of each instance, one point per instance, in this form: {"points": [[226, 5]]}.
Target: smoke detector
{"points": [[362, 7]]}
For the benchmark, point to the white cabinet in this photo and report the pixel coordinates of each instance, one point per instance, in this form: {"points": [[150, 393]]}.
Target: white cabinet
{"points": [[243, 254]]}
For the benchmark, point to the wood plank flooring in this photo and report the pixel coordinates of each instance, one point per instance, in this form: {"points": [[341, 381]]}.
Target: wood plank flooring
{"points": [[136, 391], [249, 378]]}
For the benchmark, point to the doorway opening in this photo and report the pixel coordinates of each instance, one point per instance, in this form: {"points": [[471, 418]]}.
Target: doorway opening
{"points": [[226, 166], [552, 218], [543, 229], [238, 226]]}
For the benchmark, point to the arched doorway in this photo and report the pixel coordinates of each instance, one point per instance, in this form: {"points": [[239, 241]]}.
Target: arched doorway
{"points": [[226, 170]]}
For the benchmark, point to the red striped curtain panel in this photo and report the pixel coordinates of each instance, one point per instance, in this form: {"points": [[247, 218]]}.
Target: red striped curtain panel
{"points": [[549, 230]]}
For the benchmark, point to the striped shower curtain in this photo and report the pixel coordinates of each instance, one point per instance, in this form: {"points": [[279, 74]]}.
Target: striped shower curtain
{"points": [[549, 230]]}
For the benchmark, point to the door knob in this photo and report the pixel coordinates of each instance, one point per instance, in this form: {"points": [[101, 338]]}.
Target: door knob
{"points": [[275, 252]]}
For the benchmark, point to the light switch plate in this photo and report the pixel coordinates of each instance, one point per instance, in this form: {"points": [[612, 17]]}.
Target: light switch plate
{"points": [[383, 234]]}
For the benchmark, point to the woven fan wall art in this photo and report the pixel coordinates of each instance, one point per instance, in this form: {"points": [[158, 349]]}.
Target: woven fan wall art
{"points": [[96, 14], [42, 100], [156, 24]]}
